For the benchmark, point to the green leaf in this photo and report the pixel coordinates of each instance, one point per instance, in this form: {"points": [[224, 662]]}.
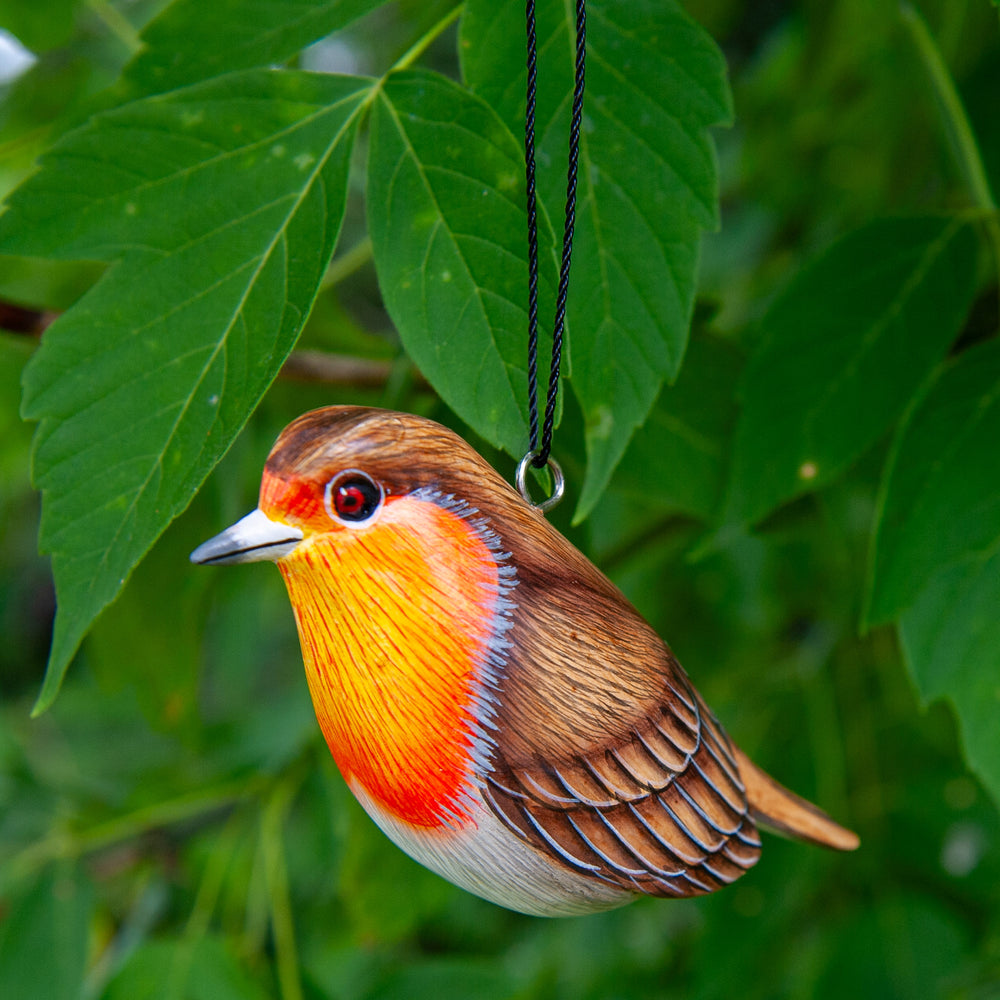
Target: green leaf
{"points": [[222, 203], [447, 222], [43, 938], [183, 42], [951, 642], [940, 502], [40, 27], [200, 969], [152, 643], [449, 979], [676, 460], [647, 188], [844, 349], [936, 551], [920, 947]]}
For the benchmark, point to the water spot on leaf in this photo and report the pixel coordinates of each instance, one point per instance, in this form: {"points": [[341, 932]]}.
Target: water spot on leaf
{"points": [[304, 161], [15, 58], [278, 150], [963, 849], [601, 423]]}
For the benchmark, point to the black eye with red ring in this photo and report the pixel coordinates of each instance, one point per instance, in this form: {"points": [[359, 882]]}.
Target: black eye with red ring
{"points": [[353, 497]]}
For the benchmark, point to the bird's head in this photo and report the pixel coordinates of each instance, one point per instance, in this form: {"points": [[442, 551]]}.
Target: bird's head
{"points": [[343, 469]]}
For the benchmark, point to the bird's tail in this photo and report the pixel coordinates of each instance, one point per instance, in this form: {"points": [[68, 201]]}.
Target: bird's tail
{"points": [[776, 807]]}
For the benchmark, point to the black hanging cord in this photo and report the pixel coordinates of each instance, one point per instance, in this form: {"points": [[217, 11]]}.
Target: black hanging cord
{"points": [[540, 450]]}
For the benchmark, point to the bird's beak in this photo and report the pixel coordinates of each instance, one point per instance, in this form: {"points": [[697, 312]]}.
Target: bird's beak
{"points": [[251, 539]]}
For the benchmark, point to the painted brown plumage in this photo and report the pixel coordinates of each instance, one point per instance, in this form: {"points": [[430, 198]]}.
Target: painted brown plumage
{"points": [[590, 748]]}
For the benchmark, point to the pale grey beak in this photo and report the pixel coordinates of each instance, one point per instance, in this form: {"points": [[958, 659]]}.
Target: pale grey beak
{"points": [[251, 539]]}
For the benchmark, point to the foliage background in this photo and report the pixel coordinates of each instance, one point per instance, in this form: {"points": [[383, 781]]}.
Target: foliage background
{"points": [[173, 826]]}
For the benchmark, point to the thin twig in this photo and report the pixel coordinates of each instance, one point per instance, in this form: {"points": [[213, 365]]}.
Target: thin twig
{"points": [[73, 844], [348, 263], [117, 23], [417, 49], [24, 319], [272, 825], [340, 369]]}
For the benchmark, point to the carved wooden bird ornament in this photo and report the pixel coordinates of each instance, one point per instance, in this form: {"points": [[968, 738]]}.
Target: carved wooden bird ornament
{"points": [[494, 702]]}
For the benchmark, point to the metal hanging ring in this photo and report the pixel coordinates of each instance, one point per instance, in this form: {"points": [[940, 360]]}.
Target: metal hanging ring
{"points": [[558, 483]]}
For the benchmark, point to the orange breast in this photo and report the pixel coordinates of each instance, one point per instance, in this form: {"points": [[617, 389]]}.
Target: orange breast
{"points": [[396, 622]]}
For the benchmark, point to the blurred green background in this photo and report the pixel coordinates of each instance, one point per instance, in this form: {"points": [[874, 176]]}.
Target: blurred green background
{"points": [[174, 826]]}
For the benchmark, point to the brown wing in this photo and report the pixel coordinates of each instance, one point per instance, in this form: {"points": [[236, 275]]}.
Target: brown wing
{"points": [[607, 758]]}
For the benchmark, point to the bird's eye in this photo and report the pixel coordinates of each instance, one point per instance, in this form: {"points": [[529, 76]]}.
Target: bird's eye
{"points": [[352, 497]]}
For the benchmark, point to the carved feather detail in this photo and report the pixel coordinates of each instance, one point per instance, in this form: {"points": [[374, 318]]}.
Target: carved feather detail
{"points": [[648, 815]]}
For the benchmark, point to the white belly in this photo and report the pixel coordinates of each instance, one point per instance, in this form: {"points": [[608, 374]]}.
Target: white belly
{"points": [[488, 860]]}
